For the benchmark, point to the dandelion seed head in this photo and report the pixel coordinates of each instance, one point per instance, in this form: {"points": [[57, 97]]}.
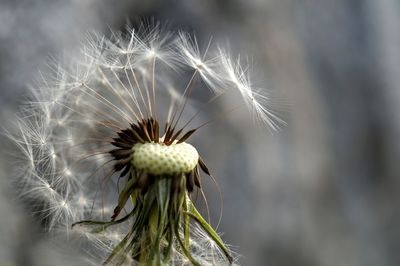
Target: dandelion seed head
{"points": [[151, 53], [67, 172], [82, 201], [64, 204], [98, 116]]}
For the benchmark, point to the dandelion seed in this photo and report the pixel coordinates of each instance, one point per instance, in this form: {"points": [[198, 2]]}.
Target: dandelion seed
{"points": [[100, 152]]}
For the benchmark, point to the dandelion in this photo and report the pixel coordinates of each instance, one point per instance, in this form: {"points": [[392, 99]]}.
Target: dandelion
{"points": [[101, 152]]}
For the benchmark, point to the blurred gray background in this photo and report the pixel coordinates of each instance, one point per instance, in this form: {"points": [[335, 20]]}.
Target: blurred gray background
{"points": [[325, 191]]}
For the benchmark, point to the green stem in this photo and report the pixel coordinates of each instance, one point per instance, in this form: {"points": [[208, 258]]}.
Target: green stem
{"points": [[207, 227], [186, 221]]}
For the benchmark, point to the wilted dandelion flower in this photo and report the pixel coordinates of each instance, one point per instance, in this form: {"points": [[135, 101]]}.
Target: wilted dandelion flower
{"points": [[101, 150]]}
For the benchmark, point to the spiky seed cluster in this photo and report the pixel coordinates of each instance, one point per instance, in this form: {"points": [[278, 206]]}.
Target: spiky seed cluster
{"points": [[91, 134], [141, 150]]}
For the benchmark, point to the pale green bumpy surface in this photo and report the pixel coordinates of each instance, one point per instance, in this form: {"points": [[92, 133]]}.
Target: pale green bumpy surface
{"points": [[160, 159]]}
